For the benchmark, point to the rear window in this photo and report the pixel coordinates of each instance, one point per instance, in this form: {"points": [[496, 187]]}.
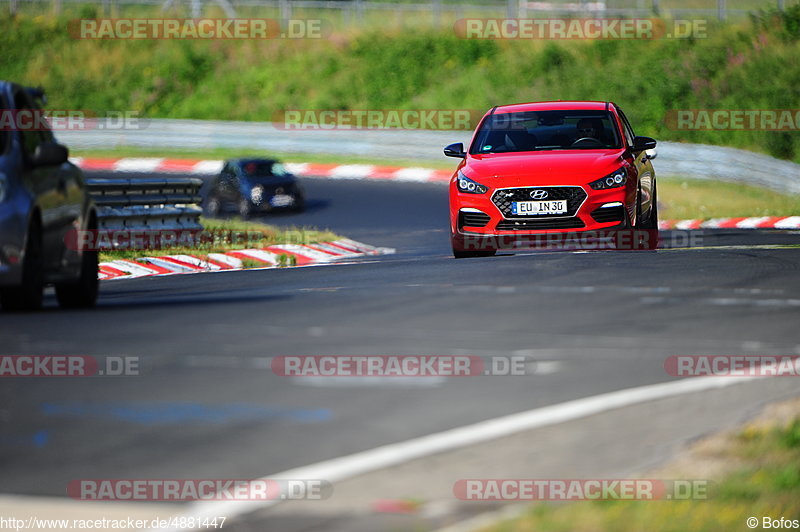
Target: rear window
{"points": [[546, 130]]}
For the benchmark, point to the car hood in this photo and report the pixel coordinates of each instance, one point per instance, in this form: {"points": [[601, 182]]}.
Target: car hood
{"points": [[543, 168]]}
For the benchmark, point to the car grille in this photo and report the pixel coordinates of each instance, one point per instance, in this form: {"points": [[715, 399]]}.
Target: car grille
{"points": [[472, 219], [503, 198], [609, 214], [534, 225]]}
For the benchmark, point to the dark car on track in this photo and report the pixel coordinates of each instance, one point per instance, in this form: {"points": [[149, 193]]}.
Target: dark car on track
{"points": [[42, 198], [250, 186]]}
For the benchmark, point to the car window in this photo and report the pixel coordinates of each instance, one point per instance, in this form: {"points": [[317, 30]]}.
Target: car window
{"points": [[279, 170], [30, 138], [546, 130], [262, 169], [626, 126]]}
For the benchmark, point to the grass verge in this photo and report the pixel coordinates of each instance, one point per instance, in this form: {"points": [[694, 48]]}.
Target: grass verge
{"points": [[231, 235], [762, 479], [696, 198]]}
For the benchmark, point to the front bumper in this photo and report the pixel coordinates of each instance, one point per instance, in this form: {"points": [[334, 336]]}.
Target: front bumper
{"points": [[486, 221]]}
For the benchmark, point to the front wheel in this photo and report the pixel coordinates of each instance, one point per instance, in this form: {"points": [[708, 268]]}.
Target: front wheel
{"points": [[28, 295], [647, 230], [652, 219], [213, 206], [244, 208], [83, 293]]}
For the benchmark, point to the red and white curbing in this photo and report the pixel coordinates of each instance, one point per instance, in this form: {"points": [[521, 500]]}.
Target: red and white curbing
{"points": [[758, 222], [269, 257], [393, 173], [333, 171]]}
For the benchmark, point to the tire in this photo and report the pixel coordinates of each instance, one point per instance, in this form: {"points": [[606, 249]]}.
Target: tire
{"points": [[83, 293], [650, 226], [652, 220], [213, 206], [471, 254], [28, 295], [244, 208]]}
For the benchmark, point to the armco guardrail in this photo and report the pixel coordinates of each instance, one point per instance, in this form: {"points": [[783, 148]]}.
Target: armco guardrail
{"points": [[674, 158], [147, 204]]}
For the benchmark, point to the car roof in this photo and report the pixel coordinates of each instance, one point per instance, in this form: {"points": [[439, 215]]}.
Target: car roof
{"points": [[557, 105], [250, 160]]}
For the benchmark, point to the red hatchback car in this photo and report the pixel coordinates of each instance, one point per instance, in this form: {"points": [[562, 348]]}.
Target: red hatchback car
{"points": [[550, 167]]}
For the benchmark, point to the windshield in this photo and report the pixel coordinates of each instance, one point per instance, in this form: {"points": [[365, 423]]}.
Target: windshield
{"points": [[263, 169], [546, 130]]}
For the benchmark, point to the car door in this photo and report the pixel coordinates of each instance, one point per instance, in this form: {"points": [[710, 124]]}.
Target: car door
{"points": [[44, 182], [642, 164]]}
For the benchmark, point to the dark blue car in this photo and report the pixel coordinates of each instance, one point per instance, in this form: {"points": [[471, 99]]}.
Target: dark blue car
{"points": [[250, 186]]}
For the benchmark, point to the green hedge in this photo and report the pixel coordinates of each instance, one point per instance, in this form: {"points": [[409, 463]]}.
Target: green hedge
{"points": [[752, 65]]}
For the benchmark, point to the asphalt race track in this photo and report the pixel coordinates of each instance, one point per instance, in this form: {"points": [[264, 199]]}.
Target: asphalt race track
{"points": [[206, 404]]}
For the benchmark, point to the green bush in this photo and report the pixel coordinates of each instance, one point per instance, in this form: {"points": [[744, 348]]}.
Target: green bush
{"points": [[751, 65]]}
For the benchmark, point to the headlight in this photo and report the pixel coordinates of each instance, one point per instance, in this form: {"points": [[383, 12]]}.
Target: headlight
{"points": [[615, 179], [257, 194], [469, 186], [3, 187]]}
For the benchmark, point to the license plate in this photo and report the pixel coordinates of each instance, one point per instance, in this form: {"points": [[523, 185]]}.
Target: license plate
{"points": [[534, 208], [281, 200]]}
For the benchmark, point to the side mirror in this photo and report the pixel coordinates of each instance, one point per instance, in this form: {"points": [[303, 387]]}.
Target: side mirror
{"points": [[651, 154], [643, 143], [455, 150], [50, 154]]}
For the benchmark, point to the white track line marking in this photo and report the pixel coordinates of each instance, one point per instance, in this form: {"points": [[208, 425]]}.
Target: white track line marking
{"points": [[414, 174], [792, 222], [226, 259], [346, 467], [207, 167], [133, 164], [752, 223], [351, 171], [134, 269]]}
